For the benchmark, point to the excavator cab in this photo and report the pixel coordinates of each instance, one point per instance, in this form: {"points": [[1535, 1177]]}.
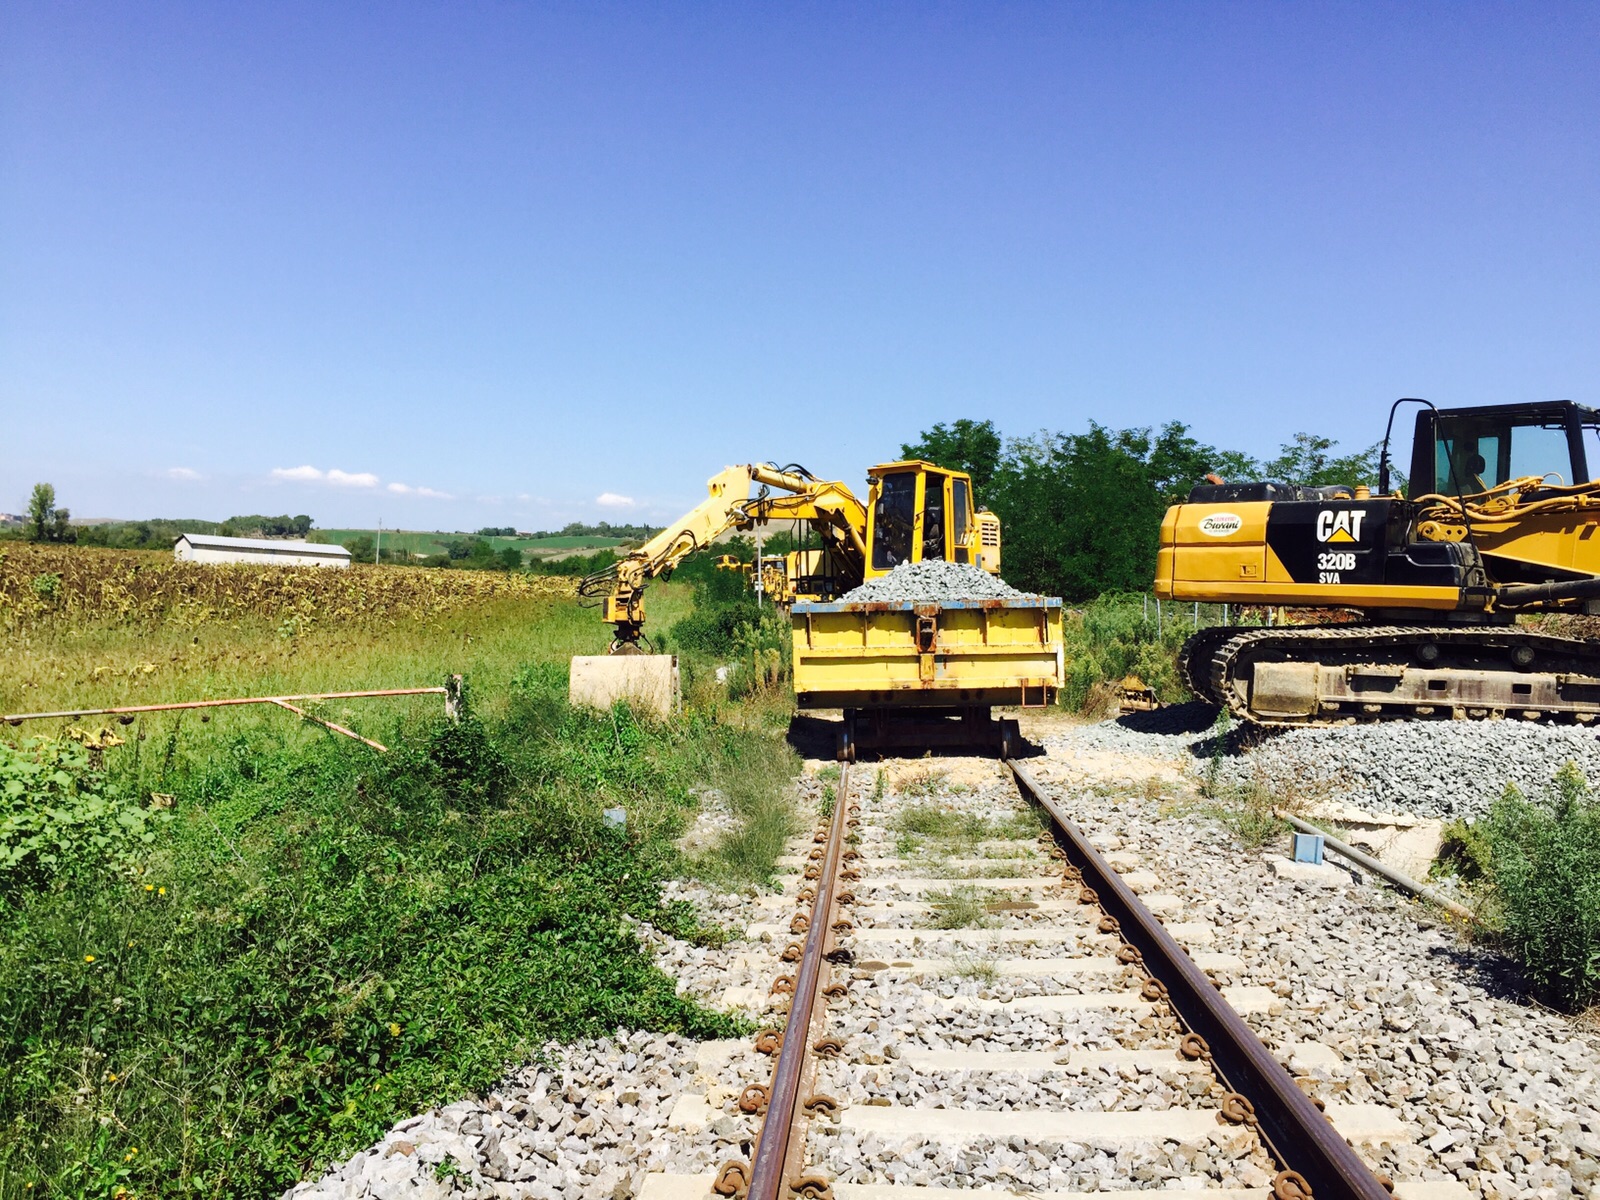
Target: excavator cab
{"points": [[917, 511], [1469, 451]]}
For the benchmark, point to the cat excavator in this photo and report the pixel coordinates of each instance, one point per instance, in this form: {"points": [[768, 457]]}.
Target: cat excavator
{"points": [[1499, 520]]}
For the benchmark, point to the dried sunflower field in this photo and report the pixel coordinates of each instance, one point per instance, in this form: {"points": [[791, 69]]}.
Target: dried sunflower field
{"points": [[64, 586]]}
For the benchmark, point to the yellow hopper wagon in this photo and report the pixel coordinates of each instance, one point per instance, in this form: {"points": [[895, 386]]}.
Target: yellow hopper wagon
{"points": [[922, 675]]}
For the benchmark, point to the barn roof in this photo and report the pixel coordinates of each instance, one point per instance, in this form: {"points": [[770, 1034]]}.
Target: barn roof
{"points": [[211, 541]]}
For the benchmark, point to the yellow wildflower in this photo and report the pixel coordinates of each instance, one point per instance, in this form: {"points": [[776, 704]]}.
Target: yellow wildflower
{"points": [[88, 958], [149, 887], [394, 1030], [161, 891]]}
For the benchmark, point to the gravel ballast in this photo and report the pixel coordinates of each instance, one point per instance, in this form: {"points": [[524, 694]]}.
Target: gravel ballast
{"points": [[1444, 769], [934, 581]]}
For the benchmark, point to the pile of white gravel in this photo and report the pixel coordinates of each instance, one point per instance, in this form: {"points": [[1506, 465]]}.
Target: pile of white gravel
{"points": [[1445, 769], [934, 581], [1426, 768]]}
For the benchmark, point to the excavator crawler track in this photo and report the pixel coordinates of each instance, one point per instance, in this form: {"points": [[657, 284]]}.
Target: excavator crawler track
{"points": [[1194, 658], [1341, 674]]}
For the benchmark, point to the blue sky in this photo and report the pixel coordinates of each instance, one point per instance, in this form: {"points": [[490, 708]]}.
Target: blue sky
{"points": [[463, 264]]}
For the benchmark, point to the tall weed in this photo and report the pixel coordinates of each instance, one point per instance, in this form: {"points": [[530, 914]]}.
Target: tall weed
{"points": [[1117, 635], [1544, 869]]}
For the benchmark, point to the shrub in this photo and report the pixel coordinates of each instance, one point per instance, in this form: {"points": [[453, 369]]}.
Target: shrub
{"points": [[1544, 868], [58, 815], [1116, 636]]}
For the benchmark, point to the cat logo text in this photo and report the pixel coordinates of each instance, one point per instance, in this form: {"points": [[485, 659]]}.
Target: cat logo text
{"points": [[1343, 526]]}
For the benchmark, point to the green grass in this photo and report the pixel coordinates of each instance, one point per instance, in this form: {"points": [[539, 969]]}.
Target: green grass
{"points": [[419, 542], [979, 967], [930, 828], [959, 907], [320, 939]]}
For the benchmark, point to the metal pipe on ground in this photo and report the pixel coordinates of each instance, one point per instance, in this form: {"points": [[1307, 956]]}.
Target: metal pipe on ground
{"points": [[1367, 862]]}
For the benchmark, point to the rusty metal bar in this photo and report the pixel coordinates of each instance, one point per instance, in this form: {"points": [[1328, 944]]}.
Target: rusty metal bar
{"points": [[18, 718], [1381, 869], [349, 733], [1302, 1138], [772, 1147]]}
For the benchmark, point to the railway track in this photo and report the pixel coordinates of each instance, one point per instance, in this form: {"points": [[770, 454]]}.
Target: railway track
{"points": [[1100, 1050]]}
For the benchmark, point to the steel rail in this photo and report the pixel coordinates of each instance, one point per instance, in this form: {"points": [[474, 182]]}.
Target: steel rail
{"points": [[1302, 1138], [769, 1164]]}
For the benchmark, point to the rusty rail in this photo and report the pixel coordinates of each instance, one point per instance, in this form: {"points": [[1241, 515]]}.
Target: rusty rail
{"points": [[776, 1167], [451, 691], [1316, 1159]]}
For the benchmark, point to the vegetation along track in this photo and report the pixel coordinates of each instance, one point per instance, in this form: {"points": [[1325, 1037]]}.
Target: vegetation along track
{"points": [[860, 1105]]}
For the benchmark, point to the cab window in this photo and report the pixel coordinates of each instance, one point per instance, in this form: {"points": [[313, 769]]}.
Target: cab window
{"points": [[893, 520], [1474, 456], [961, 502], [933, 517]]}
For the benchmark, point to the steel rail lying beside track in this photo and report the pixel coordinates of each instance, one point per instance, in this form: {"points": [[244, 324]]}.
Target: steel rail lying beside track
{"points": [[451, 692], [1316, 1159]]}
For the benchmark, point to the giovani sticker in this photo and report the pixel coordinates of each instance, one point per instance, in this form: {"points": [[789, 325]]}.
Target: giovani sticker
{"points": [[1223, 524]]}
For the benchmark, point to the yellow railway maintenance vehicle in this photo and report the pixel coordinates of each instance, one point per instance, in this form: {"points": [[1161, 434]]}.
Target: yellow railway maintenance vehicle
{"points": [[919, 511], [905, 673], [1502, 518], [918, 675]]}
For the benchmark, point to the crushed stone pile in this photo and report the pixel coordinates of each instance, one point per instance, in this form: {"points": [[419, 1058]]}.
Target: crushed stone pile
{"points": [[1427, 768], [934, 581], [1444, 769]]}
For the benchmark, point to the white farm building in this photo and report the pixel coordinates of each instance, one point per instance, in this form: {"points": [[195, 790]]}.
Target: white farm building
{"points": [[208, 548]]}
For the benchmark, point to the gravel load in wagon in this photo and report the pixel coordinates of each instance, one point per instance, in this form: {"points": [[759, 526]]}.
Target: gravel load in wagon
{"points": [[934, 581]]}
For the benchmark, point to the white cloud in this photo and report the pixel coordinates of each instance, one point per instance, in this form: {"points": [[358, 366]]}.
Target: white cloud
{"points": [[405, 489], [297, 474], [612, 500], [333, 476], [184, 474], [362, 479]]}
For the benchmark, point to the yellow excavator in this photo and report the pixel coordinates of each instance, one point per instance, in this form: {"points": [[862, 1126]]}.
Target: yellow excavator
{"points": [[914, 511], [1501, 518]]}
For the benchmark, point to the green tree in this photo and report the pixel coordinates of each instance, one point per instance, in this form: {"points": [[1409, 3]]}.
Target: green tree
{"points": [[362, 548], [1308, 460], [46, 522], [970, 446], [41, 508], [1080, 513]]}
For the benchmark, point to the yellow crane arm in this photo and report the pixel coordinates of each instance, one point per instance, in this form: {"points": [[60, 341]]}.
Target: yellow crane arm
{"points": [[831, 507]]}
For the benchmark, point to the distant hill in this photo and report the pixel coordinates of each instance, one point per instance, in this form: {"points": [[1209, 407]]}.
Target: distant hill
{"points": [[419, 542]]}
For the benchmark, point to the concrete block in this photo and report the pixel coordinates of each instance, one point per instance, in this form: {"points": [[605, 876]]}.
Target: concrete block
{"points": [[648, 682]]}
